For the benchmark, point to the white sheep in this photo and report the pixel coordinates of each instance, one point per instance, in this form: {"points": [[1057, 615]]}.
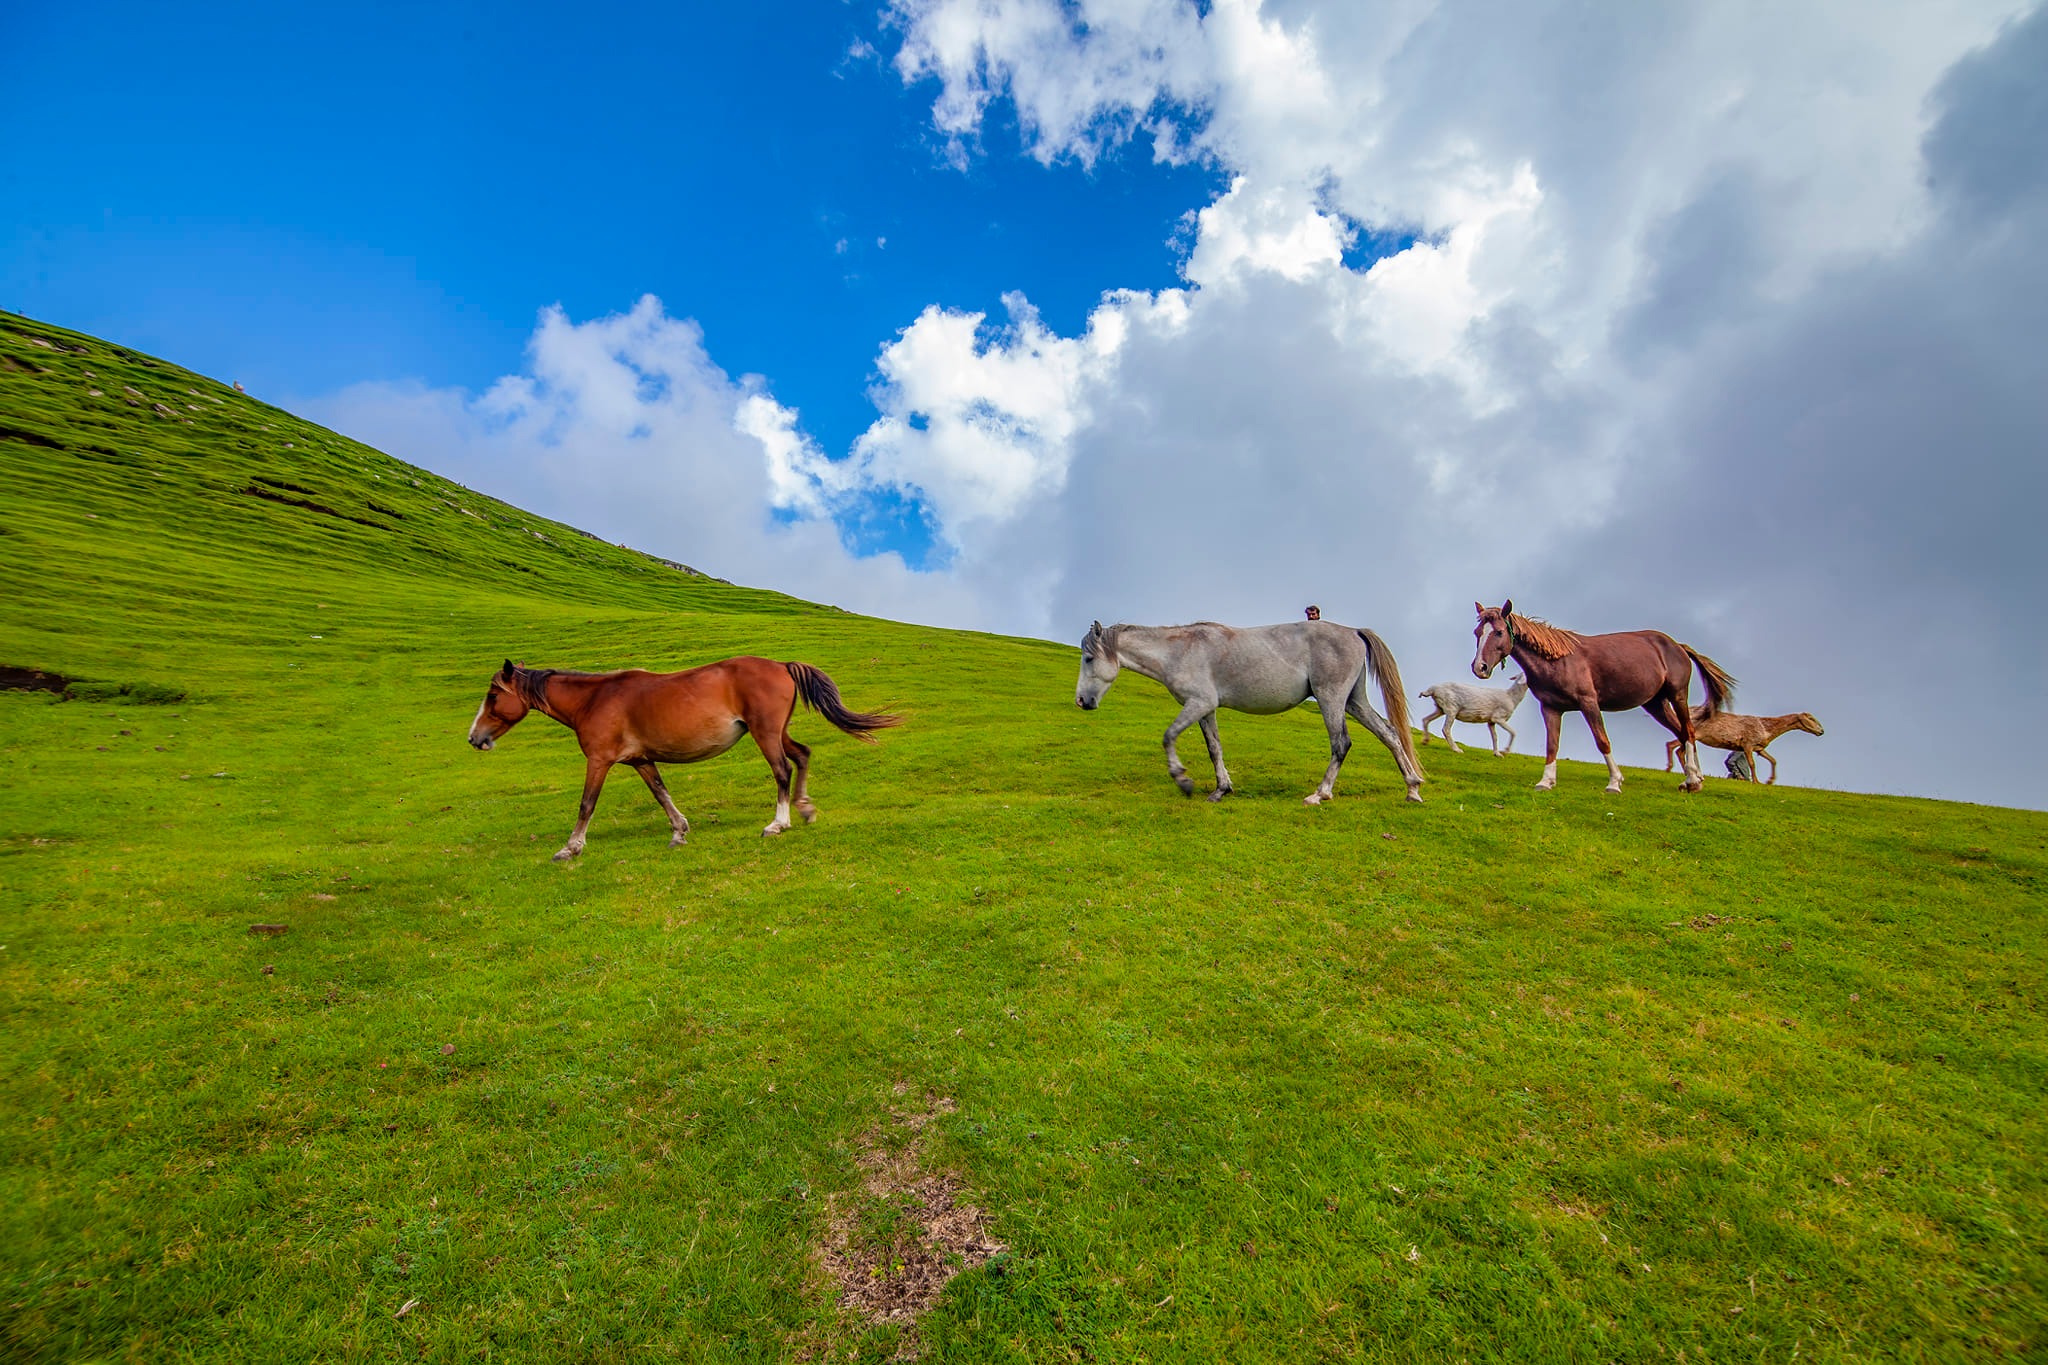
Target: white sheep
{"points": [[1489, 706]]}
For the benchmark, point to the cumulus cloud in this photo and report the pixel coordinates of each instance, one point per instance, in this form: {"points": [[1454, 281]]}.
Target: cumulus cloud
{"points": [[624, 426], [1718, 320]]}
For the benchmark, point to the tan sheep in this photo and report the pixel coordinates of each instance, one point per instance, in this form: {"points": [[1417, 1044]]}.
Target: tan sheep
{"points": [[1747, 734]]}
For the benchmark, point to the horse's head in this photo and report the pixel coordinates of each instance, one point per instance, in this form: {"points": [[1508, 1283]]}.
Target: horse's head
{"points": [[1495, 636], [503, 708], [1099, 667], [1805, 721]]}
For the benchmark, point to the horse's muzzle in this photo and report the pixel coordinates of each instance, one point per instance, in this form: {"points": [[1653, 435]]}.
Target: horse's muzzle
{"points": [[1084, 703], [482, 746]]}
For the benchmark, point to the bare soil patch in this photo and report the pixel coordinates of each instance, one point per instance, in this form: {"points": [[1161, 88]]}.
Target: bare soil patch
{"points": [[890, 1254], [257, 491], [16, 679]]}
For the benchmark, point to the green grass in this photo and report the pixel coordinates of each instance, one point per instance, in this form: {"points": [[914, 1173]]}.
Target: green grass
{"points": [[1752, 1075]]}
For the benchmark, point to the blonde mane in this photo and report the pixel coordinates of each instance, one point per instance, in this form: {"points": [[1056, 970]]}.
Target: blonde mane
{"points": [[1551, 642]]}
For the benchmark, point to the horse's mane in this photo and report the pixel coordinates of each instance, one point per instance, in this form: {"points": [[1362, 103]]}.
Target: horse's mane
{"points": [[532, 683], [1551, 642]]}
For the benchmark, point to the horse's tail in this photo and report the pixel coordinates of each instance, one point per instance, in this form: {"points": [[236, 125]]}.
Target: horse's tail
{"points": [[1379, 661], [821, 694], [1720, 687]]}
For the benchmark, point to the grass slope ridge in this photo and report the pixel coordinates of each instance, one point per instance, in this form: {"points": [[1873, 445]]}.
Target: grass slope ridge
{"points": [[1747, 1075]]}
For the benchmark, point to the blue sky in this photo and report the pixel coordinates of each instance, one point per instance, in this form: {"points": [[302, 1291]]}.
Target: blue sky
{"points": [[387, 192]]}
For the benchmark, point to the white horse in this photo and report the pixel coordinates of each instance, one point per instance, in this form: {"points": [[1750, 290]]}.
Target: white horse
{"points": [[1263, 670], [1489, 706]]}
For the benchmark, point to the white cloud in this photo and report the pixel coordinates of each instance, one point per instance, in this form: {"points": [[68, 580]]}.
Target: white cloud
{"points": [[623, 426], [976, 425]]}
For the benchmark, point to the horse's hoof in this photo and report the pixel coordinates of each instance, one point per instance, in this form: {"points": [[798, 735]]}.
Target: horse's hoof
{"points": [[1614, 789], [677, 842], [1415, 796], [1691, 786], [1545, 786], [771, 831], [1312, 799], [810, 816], [1187, 788], [563, 855], [1219, 794]]}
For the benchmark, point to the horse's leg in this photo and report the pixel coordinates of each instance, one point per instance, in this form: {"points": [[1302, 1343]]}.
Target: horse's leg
{"points": [[1598, 725], [773, 749], [801, 754], [1553, 722], [594, 770], [1340, 745], [1670, 751], [1215, 743], [1191, 712], [1382, 729], [652, 777], [1763, 753], [1670, 709]]}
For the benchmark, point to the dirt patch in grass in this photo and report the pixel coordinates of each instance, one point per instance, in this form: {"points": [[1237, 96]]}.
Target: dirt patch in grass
{"points": [[8, 433], [257, 491], [17, 679], [891, 1248]]}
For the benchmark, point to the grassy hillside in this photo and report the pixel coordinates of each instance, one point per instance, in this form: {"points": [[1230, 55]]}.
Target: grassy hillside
{"points": [[1750, 1075]]}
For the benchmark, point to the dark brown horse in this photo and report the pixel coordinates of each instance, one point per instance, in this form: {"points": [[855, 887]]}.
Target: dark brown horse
{"points": [[640, 719], [1594, 673]]}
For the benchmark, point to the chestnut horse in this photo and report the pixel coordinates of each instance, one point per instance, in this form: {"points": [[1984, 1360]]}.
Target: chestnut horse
{"points": [[640, 718], [1594, 673]]}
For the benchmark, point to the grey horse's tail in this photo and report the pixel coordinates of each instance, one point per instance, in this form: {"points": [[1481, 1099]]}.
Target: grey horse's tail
{"points": [[822, 695], [1379, 661]]}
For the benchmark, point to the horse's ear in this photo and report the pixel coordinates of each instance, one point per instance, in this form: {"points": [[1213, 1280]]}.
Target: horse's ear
{"points": [[508, 670], [1507, 608], [1478, 610]]}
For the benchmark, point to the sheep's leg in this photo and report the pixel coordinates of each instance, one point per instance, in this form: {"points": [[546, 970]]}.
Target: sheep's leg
{"points": [[1429, 721], [1511, 738], [1493, 738], [1447, 736]]}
